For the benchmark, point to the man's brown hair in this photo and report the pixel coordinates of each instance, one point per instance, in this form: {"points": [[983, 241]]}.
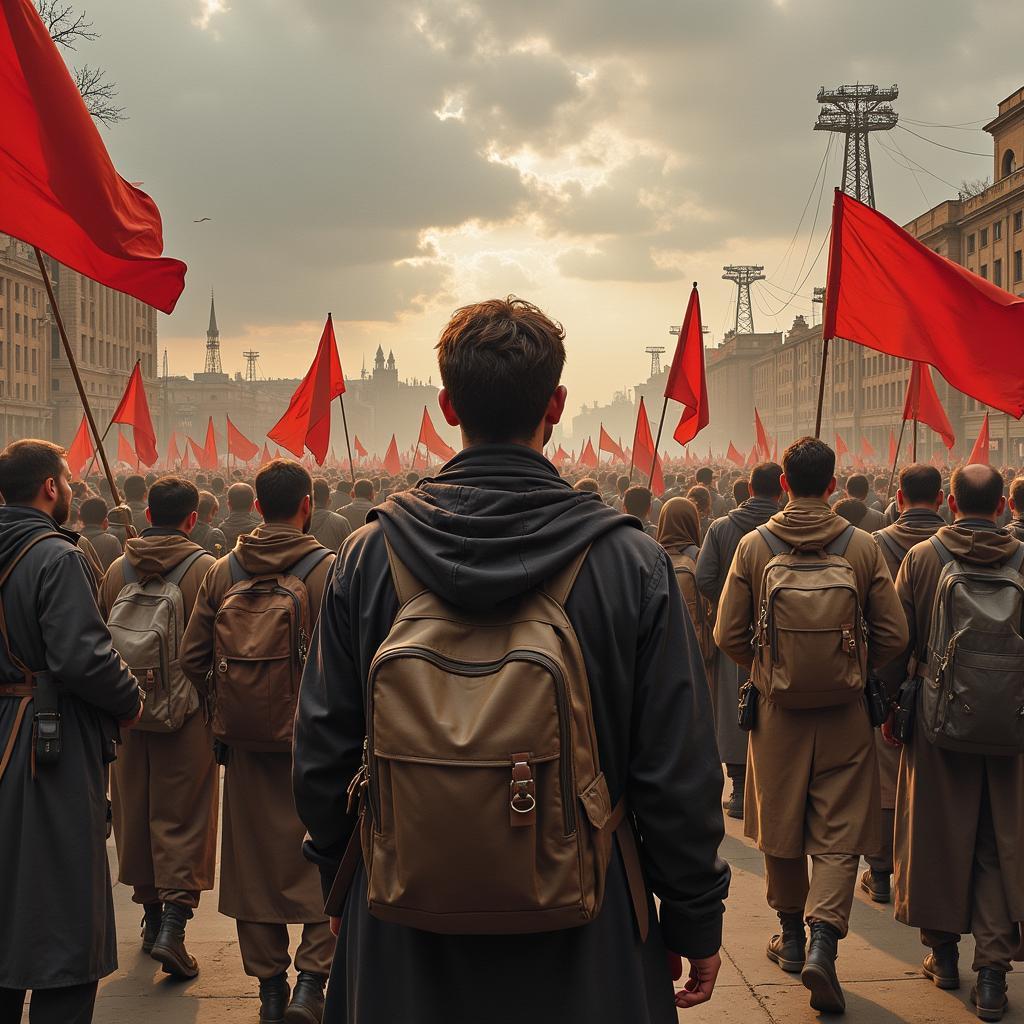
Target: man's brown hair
{"points": [[501, 361], [920, 484], [25, 466], [1017, 496], [280, 487]]}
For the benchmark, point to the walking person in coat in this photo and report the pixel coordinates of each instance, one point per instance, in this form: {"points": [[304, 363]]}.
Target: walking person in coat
{"points": [[493, 525], [165, 785], [362, 501], [265, 883], [57, 938], [723, 537], [959, 815], [241, 517], [329, 528], [918, 499], [204, 533], [96, 529], [813, 787]]}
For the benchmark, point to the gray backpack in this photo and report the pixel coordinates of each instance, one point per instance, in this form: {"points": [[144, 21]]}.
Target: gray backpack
{"points": [[146, 622], [972, 699]]}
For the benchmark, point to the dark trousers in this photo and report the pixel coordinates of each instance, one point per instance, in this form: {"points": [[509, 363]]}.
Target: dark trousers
{"points": [[71, 1005]]}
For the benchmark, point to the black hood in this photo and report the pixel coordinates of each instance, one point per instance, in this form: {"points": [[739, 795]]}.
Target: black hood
{"points": [[754, 512], [497, 520], [18, 523]]}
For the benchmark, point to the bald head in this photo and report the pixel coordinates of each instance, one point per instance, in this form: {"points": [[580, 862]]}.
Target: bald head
{"points": [[976, 492]]}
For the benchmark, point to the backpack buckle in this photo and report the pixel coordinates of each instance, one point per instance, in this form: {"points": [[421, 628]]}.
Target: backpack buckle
{"points": [[849, 639], [522, 798]]}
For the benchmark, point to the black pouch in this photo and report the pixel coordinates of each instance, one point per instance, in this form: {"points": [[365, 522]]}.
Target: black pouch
{"points": [[221, 752], [46, 725], [746, 711], [878, 701], [906, 709]]}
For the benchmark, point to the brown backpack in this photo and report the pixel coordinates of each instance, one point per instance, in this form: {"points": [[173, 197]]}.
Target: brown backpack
{"points": [[810, 639], [260, 641], [684, 566], [483, 808]]}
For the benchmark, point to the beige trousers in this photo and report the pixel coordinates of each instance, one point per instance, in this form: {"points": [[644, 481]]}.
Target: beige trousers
{"points": [[264, 948], [827, 896]]}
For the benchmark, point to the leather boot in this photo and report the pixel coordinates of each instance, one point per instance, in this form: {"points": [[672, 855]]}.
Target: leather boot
{"points": [[989, 994], [942, 965], [819, 973], [788, 949], [877, 885], [273, 999], [152, 915], [734, 806], [169, 947], [307, 1005]]}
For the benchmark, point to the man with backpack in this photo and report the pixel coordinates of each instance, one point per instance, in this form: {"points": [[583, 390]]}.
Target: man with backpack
{"points": [[504, 670], [244, 649], [164, 786], [241, 517], [959, 823], [723, 537], [815, 595]]}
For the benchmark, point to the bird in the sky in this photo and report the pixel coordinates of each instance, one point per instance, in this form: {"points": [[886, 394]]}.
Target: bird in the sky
{"points": [[201, 219]]}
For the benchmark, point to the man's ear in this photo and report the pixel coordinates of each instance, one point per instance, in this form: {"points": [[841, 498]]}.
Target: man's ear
{"points": [[556, 406], [149, 516], [831, 488], [451, 417], [256, 503]]}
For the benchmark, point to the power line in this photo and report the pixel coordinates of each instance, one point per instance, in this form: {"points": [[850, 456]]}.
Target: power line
{"points": [[942, 145], [920, 166], [963, 126], [810, 270], [907, 167], [807, 202]]}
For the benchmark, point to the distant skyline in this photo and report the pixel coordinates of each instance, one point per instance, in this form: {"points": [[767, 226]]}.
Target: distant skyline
{"points": [[390, 161]]}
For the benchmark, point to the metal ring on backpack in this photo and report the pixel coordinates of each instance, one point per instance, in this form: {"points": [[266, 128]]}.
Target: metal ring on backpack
{"points": [[523, 796]]}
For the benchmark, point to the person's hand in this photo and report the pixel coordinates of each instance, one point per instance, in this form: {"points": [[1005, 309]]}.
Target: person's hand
{"points": [[130, 723], [701, 982], [675, 965], [887, 736], [335, 926]]}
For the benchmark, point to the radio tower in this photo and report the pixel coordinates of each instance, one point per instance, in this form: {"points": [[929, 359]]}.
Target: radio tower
{"points": [[250, 366], [855, 111], [655, 352], [743, 277], [213, 342]]}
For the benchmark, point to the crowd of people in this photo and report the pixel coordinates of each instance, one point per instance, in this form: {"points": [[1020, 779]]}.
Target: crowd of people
{"points": [[468, 727]]}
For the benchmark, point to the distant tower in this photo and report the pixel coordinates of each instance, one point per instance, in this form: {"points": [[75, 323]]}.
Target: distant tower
{"points": [[250, 365], [855, 111], [655, 352], [212, 342], [378, 361], [743, 277]]}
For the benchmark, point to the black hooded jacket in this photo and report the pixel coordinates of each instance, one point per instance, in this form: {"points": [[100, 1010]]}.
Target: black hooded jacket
{"points": [[723, 537], [496, 521]]}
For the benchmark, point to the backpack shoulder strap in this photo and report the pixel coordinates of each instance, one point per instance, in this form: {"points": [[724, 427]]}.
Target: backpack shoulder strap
{"points": [[237, 572], [559, 587], [693, 551], [884, 540], [177, 574], [945, 555], [305, 565], [406, 585], [841, 543], [776, 545]]}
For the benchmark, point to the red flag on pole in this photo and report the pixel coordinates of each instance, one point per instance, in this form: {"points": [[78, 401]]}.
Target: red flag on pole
{"points": [[763, 445], [185, 463], [392, 463], [735, 455], [307, 420], [239, 445], [892, 446], [265, 455], [360, 450], [644, 455], [752, 458], [922, 404], [979, 453], [866, 448], [198, 453], [209, 449], [588, 457], [173, 453], [775, 451], [133, 411], [606, 444], [419, 461], [560, 456], [58, 188], [432, 440], [841, 448], [81, 449], [892, 293], [124, 451], [686, 381]]}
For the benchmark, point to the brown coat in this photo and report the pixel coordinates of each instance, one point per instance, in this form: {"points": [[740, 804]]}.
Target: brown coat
{"points": [[940, 793], [264, 876], [813, 775], [104, 543], [164, 786]]}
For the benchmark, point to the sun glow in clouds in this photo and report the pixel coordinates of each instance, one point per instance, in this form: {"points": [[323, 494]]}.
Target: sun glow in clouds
{"points": [[209, 8]]}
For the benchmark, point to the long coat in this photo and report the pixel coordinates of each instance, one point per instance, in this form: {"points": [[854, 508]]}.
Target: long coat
{"points": [[55, 902]]}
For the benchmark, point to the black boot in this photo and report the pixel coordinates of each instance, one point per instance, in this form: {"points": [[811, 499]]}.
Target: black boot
{"points": [[788, 949], [307, 1005], [819, 973], [273, 999], [942, 965], [877, 885], [152, 915], [169, 947], [734, 805], [989, 994]]}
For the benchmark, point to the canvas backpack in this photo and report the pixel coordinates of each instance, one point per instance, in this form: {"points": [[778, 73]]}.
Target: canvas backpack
{"points": [[972, 699], [684, 566], [146, 622], [260, 640], [810, 638], [483, 807]]}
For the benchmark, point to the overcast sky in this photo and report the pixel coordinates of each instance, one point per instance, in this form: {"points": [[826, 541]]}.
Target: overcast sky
{"points": [[390, 161]]}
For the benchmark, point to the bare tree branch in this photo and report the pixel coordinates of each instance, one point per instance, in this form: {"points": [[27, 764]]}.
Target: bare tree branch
{"points": [[99, 94], [65, 26]]}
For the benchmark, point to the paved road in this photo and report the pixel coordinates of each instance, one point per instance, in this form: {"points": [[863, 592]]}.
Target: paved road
{"points": [[879, 965]]}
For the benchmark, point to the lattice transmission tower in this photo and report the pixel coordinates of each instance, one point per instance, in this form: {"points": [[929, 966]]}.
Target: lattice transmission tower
{"points": [[212, 342], [743, 277], [655, 352], [855, 111], [251, 358]]}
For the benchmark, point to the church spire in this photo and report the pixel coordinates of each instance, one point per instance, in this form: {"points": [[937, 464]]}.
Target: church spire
{"points": [[213, 317]]}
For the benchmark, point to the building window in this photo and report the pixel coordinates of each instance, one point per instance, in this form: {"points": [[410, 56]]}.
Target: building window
{"points": [[1018, 266], [34, 393], [17, 357], [34, 363], [997, 272], [1018, 221], [55, 384], [983, 239], [997, 230], [1009, 163], [983, 270]]}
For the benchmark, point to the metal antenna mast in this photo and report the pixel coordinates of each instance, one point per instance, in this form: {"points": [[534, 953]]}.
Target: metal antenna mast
{"points": [[212, 342], [855, 111], [655, 352], [743, 277], [250, 365]]}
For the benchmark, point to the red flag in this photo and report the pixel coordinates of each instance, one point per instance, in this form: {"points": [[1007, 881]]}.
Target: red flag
{"points": [[979, 453], [361, 452], [892, 447], [432, 440], [588, 457], [265, 456], [124, 451], [392, 463], [754, 455], [775, 451], [560, 456], [686, 381], [185, 464], [307, 420], [173, 454], [606, 444], [763, 445], [134, 411], [419, 461], [209, 449], [922, 404], [890, 292], [735, 455], [58, 189], [841, 448], [644, 454], [239, 445], [866, 448], [198, 453], [81, 449]]}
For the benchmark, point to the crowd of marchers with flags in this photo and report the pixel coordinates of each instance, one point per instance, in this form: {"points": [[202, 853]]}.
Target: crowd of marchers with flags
{"points": [[460, 718]]}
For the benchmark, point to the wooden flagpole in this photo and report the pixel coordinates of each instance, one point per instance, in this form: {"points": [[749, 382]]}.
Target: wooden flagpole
{"points": [[821, 387], [657, 443], [344, 422], [896, 459]]}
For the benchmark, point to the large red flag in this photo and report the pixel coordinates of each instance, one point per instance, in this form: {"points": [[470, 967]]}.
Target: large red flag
{"points": [[58, 189], [890, 292], [735, 455], [644, 455], [173, 453], [81, 449], [307, 420], [124, 451], [867, 450], [922, 404], [892, 446], [606, 444], [762, 444], [588, 457], [134, 412], [239, 445], [686, 381], [197, 453], [361, 452], [979, 453], [392, 463], [209, 449], [432, 440]]}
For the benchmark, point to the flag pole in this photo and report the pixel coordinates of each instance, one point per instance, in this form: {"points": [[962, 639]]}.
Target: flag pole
{"points": [[896, 459], [654, 461], [914, 450], [81, 387], [344, 423], [92, 461], [821, 386]]}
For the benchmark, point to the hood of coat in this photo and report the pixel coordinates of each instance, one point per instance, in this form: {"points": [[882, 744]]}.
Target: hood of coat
{"points": [[807, 523], [158, 551], [853, 510], [978, 542], [752, 513], [497, 521], [18, 523], [273, 548], [914, 526]]}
